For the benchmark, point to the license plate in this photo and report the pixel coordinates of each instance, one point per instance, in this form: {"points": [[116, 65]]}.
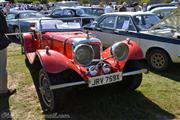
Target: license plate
{"points": [[105, 79]]}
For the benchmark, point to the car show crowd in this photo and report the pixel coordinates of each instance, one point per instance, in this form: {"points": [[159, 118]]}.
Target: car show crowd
{"points": [[109, 7]]}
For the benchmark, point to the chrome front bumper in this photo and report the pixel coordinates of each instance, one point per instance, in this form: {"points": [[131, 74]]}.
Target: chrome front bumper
{"points": [[54, 87]]}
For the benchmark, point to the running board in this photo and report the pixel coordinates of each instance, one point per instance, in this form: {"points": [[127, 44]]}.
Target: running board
{"points": [[53, 87]]}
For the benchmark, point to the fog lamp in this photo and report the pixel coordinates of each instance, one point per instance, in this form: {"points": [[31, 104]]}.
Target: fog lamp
{"points": [[106, 68], [93, 71]]}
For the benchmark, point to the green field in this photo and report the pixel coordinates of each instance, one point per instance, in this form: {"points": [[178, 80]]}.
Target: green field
{"points": [[158, 97]]}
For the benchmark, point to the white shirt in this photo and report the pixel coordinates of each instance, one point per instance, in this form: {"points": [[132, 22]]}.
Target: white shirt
{"points": [[108, 9]]}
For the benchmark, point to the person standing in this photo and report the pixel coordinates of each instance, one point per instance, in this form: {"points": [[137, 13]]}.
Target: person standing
{"points": [[136, 7], [109, 8], [4, 42], [144, 7], [123, 7]]}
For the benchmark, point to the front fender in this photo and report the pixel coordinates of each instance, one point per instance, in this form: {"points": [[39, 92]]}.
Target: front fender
{"points": [[53, 62], [135, 52]]}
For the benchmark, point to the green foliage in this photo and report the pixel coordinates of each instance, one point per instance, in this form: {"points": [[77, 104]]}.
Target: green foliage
{"points": [[36, 2], [144, 1], [24, 1], [85, 1], [121, 1], [167, 1]]}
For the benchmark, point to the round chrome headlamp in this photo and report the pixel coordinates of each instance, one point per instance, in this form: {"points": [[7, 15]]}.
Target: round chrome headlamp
{"points": [[83, 54], [120, 51]]}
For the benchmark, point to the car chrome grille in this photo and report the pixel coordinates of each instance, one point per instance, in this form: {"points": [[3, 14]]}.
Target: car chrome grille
{"points": [[97, 51]]}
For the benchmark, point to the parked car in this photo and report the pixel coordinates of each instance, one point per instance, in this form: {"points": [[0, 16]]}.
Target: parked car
{"points": [[163, 12], [22, 20], [160, 45], [69, 57], [92, 11], [97, 11], [67, 3], [67, 12], [150, 7]]}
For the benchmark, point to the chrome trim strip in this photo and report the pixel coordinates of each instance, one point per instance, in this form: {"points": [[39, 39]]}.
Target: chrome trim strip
{"points": [[135, 72], [9, 34], [53, 87]]}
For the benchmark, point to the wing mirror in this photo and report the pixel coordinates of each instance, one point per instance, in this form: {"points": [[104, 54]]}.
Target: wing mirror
{"points": [[33, 29], [94, 22]]}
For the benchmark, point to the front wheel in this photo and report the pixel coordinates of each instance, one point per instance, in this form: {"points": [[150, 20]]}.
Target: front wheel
{"points": [[130, 83], [49, 98], [158, 60]]}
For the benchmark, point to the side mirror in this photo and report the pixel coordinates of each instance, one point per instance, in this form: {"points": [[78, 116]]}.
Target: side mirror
{"points": [[94, 22], [33, 29]]}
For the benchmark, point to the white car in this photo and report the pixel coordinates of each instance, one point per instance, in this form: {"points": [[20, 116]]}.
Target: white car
{"points": [[163, 12], [160, 45]]}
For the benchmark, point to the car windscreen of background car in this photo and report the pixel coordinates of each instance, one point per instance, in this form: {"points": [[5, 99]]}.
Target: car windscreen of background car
{"points": [[145, 22], [59, 25], [30, 15]]}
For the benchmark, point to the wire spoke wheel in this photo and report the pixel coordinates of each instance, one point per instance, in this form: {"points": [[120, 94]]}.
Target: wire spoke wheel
{"points": [[46, 92]]}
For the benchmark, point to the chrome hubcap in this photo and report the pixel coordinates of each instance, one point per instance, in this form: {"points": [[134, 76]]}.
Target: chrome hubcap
{"points": [[157, 60]]}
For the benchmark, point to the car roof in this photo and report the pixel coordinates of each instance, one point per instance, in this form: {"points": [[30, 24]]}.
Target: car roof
{"points": [[164, 8], [66, 7], [22, 11], [130, 13], [82, 7], [150, 7]]}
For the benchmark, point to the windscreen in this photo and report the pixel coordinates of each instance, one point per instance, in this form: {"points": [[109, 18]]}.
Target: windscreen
{"points": [[59, 25], [145, 22]]}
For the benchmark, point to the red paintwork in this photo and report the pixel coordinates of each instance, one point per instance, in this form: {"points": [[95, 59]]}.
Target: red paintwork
{"points": [[60, 55]]}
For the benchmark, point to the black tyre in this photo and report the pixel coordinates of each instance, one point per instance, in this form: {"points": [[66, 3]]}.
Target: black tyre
{"points": [[158, 60], [50, 99], [132, 82]]}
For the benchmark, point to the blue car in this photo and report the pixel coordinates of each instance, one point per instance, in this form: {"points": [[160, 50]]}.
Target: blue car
{"points": [[22, 20]]}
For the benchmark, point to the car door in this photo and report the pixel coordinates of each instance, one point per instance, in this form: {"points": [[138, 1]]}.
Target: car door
{"points": [[125, 28], [104, 30], [57, 13], [115, 28]]}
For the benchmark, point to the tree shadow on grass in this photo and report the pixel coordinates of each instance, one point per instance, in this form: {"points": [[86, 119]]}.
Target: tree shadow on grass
{"points": [[105, 103], [173, 72], [5, 113]]}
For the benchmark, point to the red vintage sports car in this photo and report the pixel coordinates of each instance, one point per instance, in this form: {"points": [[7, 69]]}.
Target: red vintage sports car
{"points": [[70, 57]]}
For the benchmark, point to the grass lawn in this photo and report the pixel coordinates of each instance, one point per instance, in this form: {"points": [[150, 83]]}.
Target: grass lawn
{"points": [[158, 97]]}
